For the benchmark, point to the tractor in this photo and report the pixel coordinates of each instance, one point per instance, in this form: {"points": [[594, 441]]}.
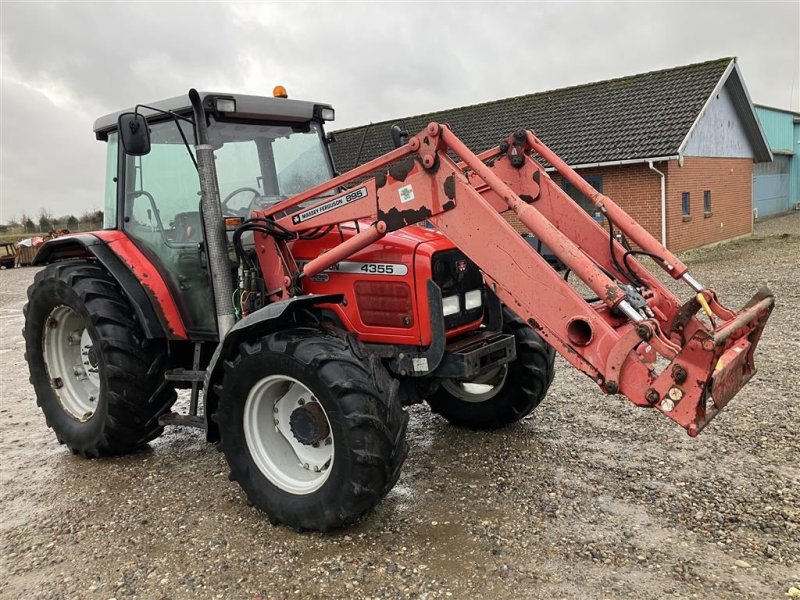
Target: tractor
{"points": [[310, 308]]}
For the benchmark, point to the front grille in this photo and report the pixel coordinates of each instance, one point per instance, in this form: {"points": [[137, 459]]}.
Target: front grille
{"points": [[456, 275]]}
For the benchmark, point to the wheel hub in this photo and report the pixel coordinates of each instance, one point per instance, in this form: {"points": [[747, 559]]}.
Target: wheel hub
{"points": [[288, 434], [308, 424], [72, 362]]}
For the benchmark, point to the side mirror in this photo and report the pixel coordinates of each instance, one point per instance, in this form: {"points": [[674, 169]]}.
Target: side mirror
{"points": [[399, 137], [134, 133]]}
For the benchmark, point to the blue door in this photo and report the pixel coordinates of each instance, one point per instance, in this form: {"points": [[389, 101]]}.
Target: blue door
{"points": [[771, 186]]}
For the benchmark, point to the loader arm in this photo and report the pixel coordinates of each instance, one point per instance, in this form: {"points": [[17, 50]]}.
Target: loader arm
{"points": [[636, 337]]}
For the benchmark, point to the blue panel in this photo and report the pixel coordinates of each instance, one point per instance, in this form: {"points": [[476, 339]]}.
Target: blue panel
{"points": [[771, 186], [777, 126]]}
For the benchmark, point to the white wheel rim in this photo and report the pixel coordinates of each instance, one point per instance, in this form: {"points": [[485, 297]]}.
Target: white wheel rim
{"points": [[71, 362], [289, 464], [482, 388]]}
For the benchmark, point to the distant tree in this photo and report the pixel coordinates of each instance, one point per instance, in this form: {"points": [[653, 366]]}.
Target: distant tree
{"points": [[45, 220], [92, 217], [13, 223], [71, 222], [27, 223]]}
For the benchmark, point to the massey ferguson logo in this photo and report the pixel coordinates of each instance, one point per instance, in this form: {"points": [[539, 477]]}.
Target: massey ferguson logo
{"points": [[330, 205], [461, 265]]}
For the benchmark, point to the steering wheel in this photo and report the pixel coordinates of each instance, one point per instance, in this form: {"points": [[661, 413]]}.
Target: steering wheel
{"points": [[239, 212]]}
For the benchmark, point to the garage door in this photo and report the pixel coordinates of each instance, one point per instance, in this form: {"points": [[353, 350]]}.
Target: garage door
{"points": [[771, 186]]}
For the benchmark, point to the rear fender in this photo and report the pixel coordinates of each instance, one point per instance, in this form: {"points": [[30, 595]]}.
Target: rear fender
{"points": [[265, 320], [89, 246]]}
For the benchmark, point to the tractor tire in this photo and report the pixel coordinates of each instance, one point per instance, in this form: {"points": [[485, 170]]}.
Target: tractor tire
{"points": [[311, 426], [98, 381], [514, 390]]}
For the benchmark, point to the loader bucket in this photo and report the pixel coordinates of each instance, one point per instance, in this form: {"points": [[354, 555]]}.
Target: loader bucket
{"points": [[717, 365]]}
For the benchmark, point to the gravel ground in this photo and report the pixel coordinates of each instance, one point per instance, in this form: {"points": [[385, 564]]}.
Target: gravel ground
{"points": [[589, 498]]}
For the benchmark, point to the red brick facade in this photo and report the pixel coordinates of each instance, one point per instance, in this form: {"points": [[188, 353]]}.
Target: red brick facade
{"points": [[637, 189], [730, 181]]}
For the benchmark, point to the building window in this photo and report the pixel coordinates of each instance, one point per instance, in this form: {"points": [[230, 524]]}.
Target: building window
{"points": [[685, 205], [707, 201], [596, 181]]}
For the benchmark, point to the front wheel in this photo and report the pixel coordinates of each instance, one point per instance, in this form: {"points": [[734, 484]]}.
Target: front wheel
{"points": [[504, 395], [311, 427]]}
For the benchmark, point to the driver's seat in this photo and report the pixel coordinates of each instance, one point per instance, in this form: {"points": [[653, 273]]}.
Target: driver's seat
{"points": [[188, 227]]}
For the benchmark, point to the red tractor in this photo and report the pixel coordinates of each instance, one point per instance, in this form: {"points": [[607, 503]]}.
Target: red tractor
{"points": [[311, 307]]}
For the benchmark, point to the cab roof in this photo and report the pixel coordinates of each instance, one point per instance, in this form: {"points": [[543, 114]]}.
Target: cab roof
{"points": [[247, 107]]}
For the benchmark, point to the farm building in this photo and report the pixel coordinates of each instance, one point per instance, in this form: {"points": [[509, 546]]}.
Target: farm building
{"points": [[675, 148], [776, 185]]}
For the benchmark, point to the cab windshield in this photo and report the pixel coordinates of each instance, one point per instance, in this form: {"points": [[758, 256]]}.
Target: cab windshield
{"points": [[277, 161], [257, 164]]}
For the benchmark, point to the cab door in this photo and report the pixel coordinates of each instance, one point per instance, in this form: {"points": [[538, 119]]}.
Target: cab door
{"points": [[161, 214]]}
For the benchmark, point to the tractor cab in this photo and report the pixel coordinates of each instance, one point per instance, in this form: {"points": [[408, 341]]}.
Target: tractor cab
{"points": [[266, 149]]}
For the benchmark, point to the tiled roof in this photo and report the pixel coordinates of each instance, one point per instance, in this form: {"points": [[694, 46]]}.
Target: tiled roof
{"points": [[640, 116]]}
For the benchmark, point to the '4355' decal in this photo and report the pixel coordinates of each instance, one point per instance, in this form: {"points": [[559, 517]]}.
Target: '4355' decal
{"points": [[364, 268]]}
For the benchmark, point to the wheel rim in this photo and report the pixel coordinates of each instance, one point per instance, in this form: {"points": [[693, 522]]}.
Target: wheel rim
{"points": [[293, 466], [484, 387], [72, 362]]}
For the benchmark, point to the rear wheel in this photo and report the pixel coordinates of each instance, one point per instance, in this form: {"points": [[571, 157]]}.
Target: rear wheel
{"points": [[311, 427], [97, 379], [504, 395]]}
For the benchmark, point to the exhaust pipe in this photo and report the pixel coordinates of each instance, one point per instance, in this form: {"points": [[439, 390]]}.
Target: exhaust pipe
{"points": [[213, 223]]}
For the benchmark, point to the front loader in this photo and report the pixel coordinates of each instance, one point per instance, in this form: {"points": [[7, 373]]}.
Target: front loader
{"points": [[309, 308]]}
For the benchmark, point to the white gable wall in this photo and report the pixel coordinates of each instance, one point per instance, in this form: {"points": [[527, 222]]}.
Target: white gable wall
{"points": [[719, 131]]}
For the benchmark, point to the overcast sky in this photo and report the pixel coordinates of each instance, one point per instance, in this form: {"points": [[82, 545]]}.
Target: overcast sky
{"points": [[64, 64]]}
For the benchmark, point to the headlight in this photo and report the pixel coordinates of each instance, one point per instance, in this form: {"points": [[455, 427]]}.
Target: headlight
{"points": [[472, 299], [451, 305], [324, 113], [225, 105]]}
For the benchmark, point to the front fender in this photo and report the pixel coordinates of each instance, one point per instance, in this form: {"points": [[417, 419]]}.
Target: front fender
{"points": [[270, 318], [87, 245]]}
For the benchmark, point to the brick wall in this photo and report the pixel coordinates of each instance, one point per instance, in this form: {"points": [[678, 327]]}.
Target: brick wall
{"points": [[730, 181], [637, 190]]}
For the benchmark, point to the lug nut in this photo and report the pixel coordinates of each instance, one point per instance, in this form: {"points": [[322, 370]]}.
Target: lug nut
{"points": [[652, 396]]}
